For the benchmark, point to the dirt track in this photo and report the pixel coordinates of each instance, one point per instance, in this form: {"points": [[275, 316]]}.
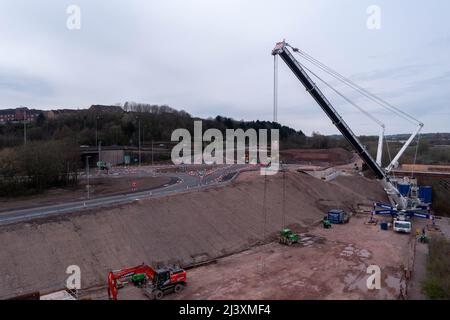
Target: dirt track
{"points": [[184, 228], [335, 156]]}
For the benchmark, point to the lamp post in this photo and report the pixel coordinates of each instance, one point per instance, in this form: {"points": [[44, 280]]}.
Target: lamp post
{"points": [[139, 139], [24, 126], [96, 131], [88, 186]]}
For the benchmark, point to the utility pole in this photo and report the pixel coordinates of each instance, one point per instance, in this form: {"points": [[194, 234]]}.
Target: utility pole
{"points": [[139, 140], [275, 88], [143, 135], [152, 151], [99, 151], [24, 127], [96, 131], [88, 186]]}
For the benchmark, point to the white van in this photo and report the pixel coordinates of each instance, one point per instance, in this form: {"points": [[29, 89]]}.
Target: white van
{"points": [[402, 226]]}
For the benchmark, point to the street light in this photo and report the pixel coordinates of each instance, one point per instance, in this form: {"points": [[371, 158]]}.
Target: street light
{"points": [[139, 139], [88, 186], [96, 131], [24, 125]]}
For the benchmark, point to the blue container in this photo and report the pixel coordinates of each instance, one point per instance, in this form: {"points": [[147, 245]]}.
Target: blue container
{"points": [[403, 188], [384, 226], [425, 193], [336, 216]]}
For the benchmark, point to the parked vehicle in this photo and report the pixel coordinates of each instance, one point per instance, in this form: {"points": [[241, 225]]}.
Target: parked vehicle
{"points": [[288, 237], [338, 216]]}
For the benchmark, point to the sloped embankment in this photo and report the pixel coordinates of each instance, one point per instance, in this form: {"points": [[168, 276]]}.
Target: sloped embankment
{"points": [[182, 228]]}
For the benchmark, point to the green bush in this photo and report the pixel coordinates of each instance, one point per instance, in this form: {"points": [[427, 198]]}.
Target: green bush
{"points": [[437, 283], [38, 166]]}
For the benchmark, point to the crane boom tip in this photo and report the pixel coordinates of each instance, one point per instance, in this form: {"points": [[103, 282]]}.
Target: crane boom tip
{"points": [[279, 47]]}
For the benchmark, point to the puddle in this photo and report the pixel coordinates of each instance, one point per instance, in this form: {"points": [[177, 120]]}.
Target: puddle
{"points": [[355, 282], [364, 253], [393, 282]]}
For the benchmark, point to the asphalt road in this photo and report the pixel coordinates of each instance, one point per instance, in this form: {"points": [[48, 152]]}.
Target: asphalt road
{"points": [[180, 182]]}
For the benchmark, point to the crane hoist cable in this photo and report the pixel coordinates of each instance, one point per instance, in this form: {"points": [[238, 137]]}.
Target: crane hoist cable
{"points": [[386, 105], [275, 88], [389, 154], [344, 97], [261, 259], [284, 201], [415, 156], [356, 87], [265, 208]]}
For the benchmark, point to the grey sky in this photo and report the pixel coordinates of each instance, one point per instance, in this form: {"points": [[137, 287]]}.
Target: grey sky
{"points": [[213, 57]]}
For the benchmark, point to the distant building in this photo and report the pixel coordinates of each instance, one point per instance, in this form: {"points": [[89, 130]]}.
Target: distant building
{"points": [[7, 115], [50, 115], [55, 114], [18, 114]]}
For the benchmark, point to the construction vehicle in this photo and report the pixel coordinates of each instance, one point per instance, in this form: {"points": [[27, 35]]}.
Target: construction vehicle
{"points": [[326, 223], [155, 283], [402, 224], [397, 199], [288, 237], [401, 218], [337, 216], [423, 238]]}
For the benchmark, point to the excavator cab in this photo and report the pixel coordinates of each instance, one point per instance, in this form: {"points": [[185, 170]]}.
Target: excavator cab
{"points": [[161, 277], [288, 237], [165, 279]]}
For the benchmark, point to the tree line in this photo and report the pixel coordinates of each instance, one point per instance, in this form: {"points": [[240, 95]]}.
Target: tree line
{"points": [[37, 166], [113, 125], [51, 157]]}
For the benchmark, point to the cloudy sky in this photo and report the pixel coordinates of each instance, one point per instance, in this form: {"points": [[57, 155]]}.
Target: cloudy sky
{"points": [[213, 57]]}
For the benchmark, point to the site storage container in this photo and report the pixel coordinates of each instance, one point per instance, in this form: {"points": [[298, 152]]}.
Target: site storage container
{"points": [[425, 193], [337, 216], [404, 188]]}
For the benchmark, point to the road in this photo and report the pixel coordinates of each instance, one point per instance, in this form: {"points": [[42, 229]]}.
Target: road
{"points": [[180, 182]]}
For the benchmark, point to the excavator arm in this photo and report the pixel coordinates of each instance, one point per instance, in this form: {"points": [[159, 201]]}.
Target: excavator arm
{"points": [[115, 276]]}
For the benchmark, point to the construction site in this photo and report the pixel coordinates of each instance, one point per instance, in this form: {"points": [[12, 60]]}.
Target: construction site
{"points": [[232, 230], [326, 223]]}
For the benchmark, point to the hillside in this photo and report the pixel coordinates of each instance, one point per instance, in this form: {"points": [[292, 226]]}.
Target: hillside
{"points": [[114, 125]]}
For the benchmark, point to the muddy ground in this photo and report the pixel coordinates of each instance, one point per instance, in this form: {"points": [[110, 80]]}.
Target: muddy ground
{"points": [[335, 156], [326, 264]]}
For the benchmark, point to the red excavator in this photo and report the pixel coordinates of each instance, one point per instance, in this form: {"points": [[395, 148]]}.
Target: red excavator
{"points": [[154, 282]]}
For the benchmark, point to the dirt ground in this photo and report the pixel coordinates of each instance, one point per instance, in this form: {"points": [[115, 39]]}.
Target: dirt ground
{"points": [[185, 228], [100, 186], [187, 168], [326, 264], [328, 157]]}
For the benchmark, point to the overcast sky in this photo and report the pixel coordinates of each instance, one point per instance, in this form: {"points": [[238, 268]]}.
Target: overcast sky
{"points": [[213, 57]]}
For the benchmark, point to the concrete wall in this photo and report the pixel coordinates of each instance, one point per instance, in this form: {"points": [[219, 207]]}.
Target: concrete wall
{"points": [[113, 156]]}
